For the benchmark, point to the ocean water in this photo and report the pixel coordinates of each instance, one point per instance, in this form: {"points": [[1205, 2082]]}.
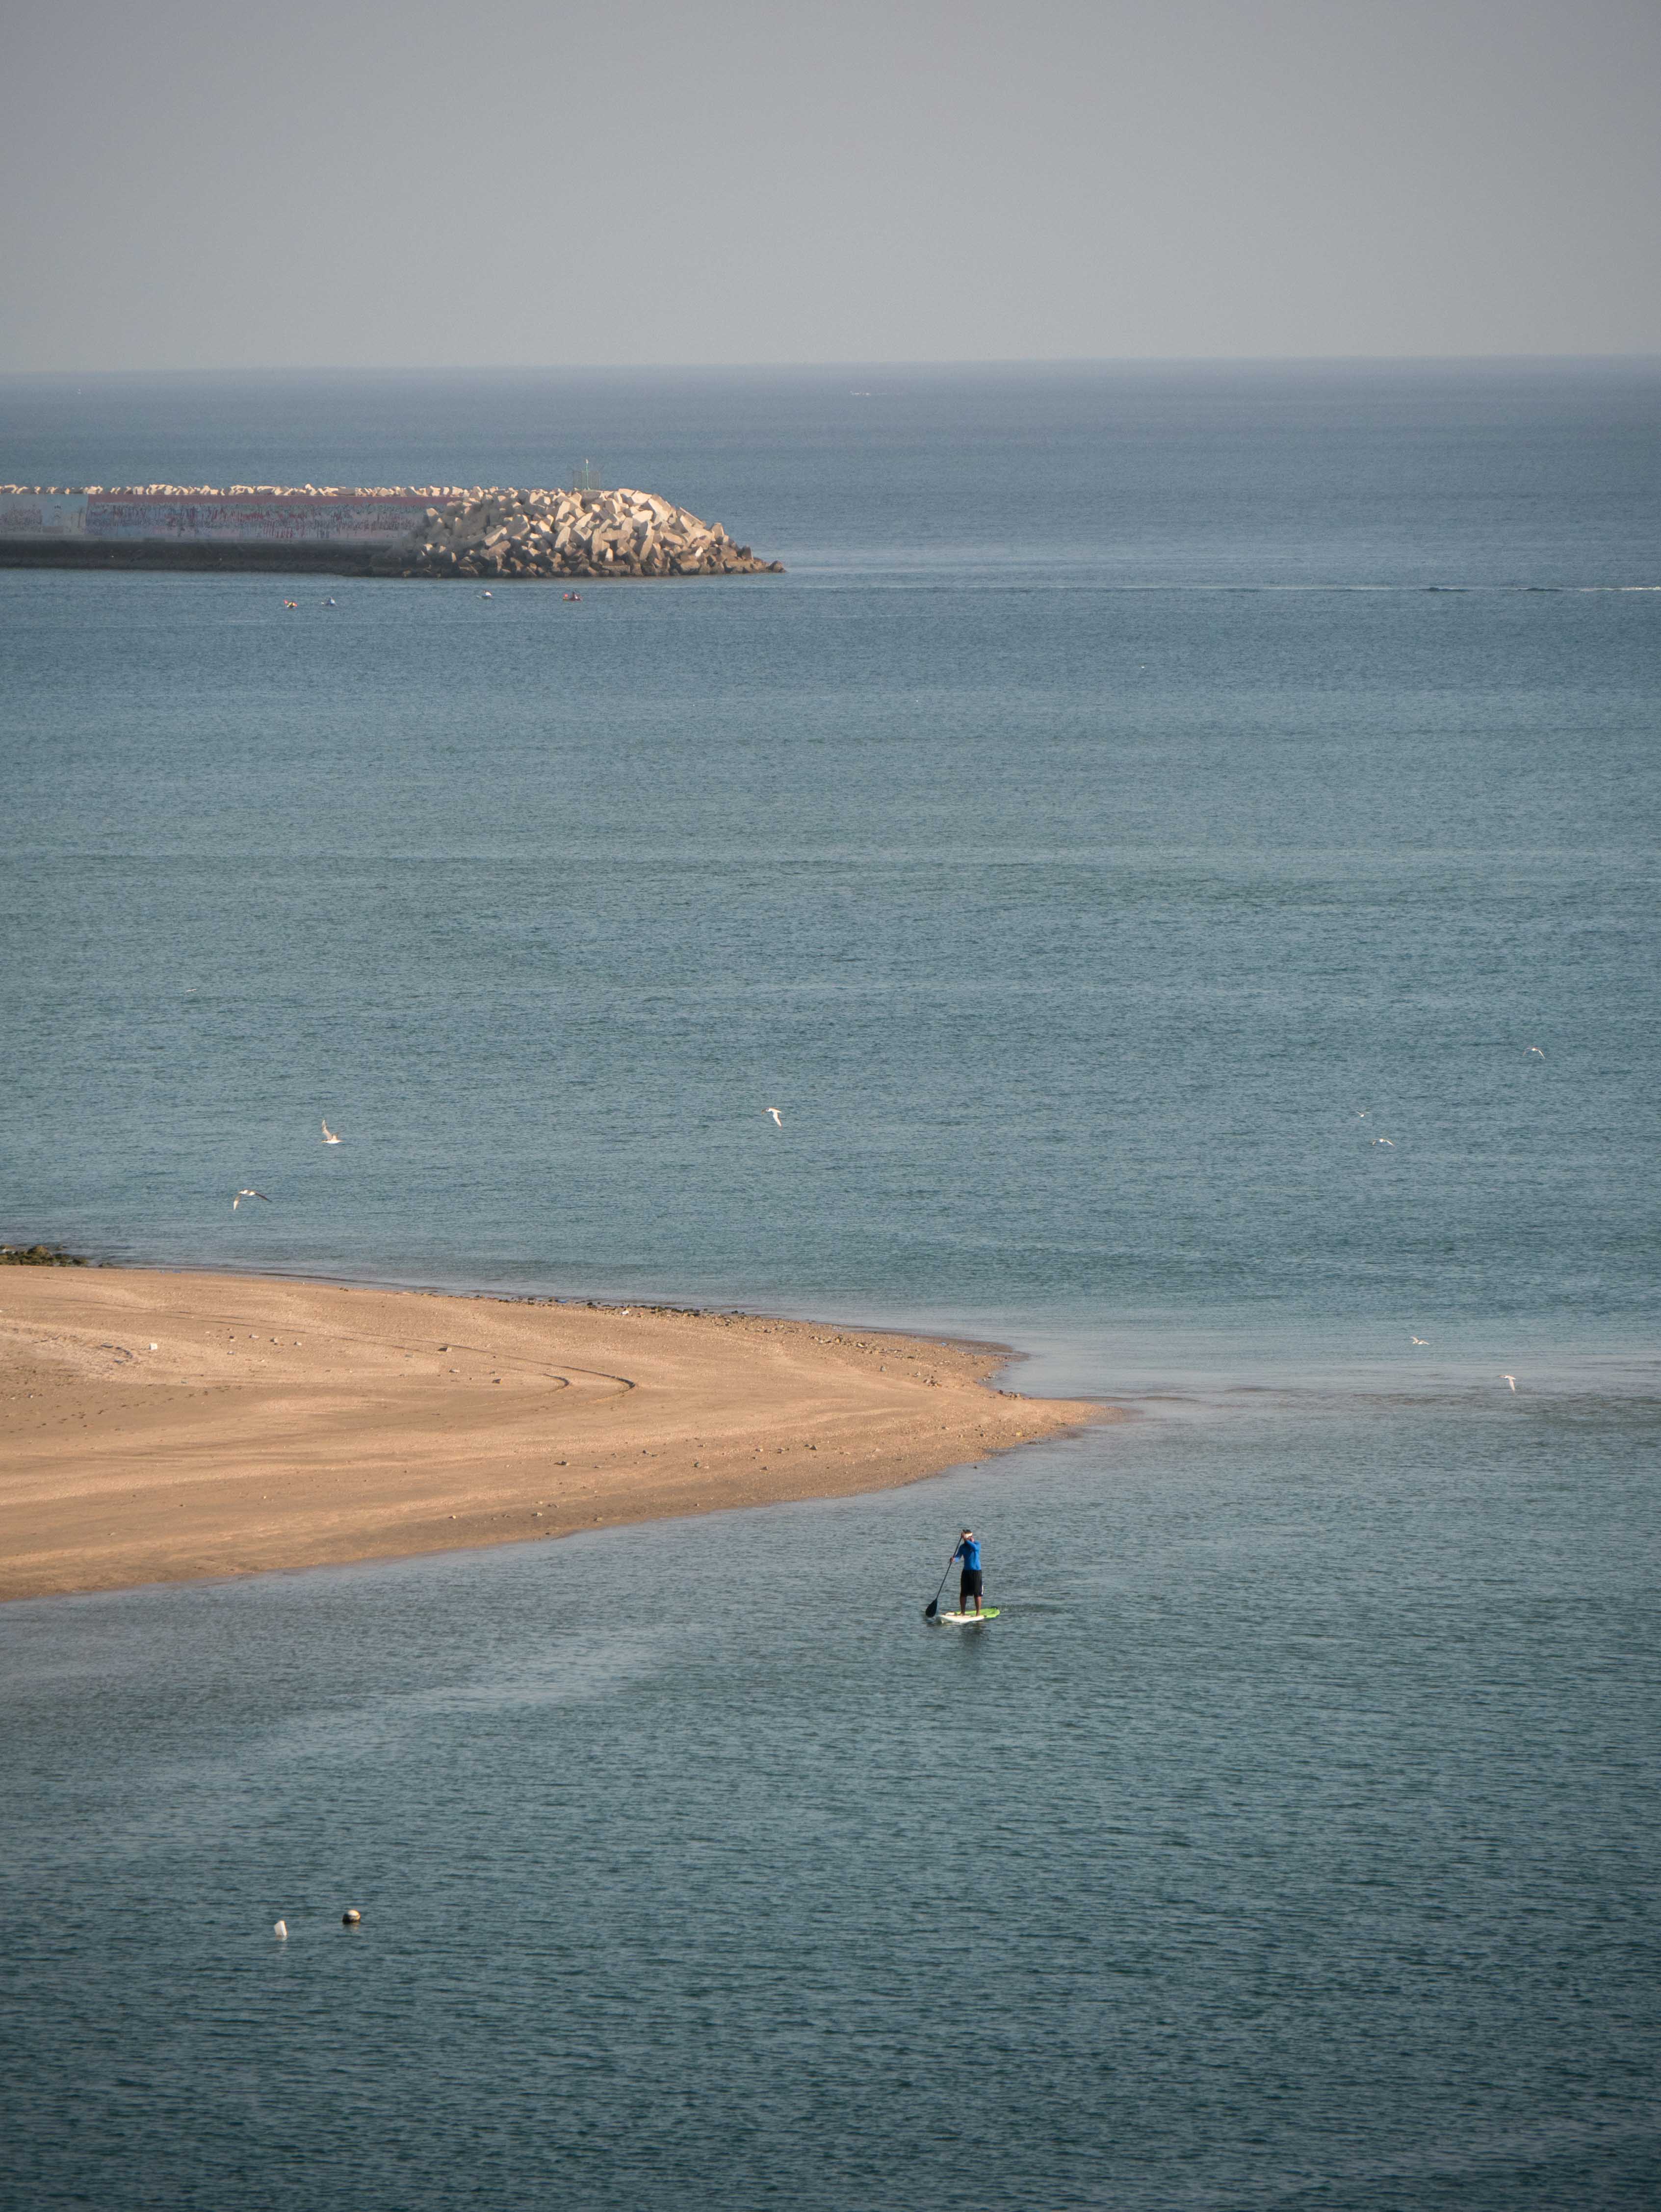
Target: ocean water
{"points": [[1147, 790]]}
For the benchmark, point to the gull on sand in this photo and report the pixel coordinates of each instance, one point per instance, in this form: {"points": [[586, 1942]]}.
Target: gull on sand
{"points": [[328, 1136], [241, 1195], [774, 1111]]}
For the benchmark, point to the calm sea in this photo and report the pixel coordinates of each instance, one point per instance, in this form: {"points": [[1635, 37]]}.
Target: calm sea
{"points": [[1149, 790]]}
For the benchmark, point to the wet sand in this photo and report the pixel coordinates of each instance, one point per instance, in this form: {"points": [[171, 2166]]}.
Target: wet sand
{"points": [[159, 1427]]}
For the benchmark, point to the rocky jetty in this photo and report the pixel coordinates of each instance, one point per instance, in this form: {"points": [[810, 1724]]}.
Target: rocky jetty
{"points": [[387, 530], [568, 533]]}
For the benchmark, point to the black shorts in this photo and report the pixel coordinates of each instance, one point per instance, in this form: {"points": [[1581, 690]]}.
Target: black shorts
{"points": [[969, 1585]]}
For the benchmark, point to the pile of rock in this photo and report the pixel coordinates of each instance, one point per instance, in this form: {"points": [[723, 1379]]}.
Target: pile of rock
{"points": [[38, 1256], [568, 533]]}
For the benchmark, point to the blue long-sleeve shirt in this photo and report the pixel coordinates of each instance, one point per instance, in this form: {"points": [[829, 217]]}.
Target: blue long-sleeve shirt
{"points": [[969, 1551]]}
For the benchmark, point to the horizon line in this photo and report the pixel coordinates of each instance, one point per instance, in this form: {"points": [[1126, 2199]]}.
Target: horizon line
{"points": [[907, 364]]}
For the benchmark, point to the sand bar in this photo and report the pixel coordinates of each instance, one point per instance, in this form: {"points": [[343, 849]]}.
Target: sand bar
{"points": [[159, 1427]]}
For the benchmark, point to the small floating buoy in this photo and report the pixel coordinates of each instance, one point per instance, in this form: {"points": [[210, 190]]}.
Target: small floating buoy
{"points": [[350, 1918], [280, 1930]]}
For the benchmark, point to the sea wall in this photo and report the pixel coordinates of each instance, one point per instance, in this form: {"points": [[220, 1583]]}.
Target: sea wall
{"points": [[171, 513], [434, 531]]}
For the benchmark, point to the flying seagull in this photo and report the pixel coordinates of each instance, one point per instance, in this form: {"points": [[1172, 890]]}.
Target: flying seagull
{"points": [[774, 1111], [241, 1195], [1391, 1141], [328, 1136], [1418, 1339], [1536, 1050], [1512, 1379]]}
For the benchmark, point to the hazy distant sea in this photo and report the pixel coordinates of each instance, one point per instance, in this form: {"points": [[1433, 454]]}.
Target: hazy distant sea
{"points": [[1148, 789]]}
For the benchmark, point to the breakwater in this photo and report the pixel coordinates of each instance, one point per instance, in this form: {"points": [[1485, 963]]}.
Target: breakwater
{"points": [[432, 531]]}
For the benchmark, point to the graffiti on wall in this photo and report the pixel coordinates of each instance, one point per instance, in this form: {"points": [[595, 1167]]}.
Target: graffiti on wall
{"points": [[42, 513], [284, 518]]}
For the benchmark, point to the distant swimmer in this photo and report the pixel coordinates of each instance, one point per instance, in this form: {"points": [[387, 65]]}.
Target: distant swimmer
{"points": [[777, 1117], [241, 1195], [572, 595], [1512, 1379], [328, 1136], [291, 603]]}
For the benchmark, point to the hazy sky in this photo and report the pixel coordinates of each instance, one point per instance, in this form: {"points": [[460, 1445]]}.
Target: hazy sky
{"points": [[192, 184]]}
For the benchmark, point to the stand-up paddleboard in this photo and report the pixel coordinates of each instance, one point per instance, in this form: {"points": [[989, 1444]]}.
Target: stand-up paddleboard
{"points": [[966, 1619]]}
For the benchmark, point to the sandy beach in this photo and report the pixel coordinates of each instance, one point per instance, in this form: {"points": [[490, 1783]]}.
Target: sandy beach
{"points": [[159, 1427]]}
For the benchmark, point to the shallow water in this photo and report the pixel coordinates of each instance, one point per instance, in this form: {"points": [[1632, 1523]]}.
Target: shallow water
{"points": [[1289, 1840], [1088, 902]]}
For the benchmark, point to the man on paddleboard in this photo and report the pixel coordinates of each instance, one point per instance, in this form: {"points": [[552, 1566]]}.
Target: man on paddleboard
{"points": [[969, 1581]]}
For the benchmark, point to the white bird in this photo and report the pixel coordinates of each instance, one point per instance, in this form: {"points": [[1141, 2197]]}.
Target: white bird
{"points": [[1536, 1050], [1512, 1379], [241, 1195], [328, 1136], [774, 1111], [280, 1930], [1418, 1339], [1391, 1141]]}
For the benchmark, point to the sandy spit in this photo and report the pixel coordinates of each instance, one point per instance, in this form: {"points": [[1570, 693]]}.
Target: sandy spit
{"points": [[158, 1427]]}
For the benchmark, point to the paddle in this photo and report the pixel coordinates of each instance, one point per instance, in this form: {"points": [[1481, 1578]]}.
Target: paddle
{"points": [[934, 1604]]}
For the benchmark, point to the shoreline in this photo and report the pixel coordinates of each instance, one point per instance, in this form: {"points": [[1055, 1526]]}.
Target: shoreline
{"points": [[166, 1426]]}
